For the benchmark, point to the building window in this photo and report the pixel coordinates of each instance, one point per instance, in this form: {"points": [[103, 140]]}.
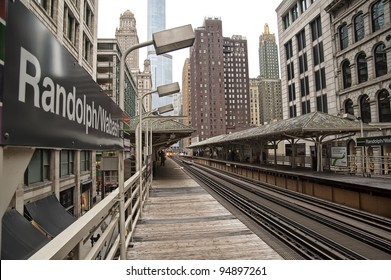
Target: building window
{"points": [[292, 92], [320, 79], [303, 66], [66, 163], [359, 30], [85, 161], [291, 71], [292, 111], [362, 68], [305, 107], [318, 53], [48, 6], [304, 86], [346, 74], [365, 109], [300, 37], [71, 26], [303, 5], [383, 100], [343, 36], [294, 13], [349, 107], [288, 50], [286, 21], [377, 15], [88, 16], [38, 169], [87, 49], [380, 60], [316, 28], [321, 103]]}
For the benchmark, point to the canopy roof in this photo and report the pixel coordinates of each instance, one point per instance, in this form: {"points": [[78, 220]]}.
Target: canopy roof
{"points": [[165, 132], [312, 125]]}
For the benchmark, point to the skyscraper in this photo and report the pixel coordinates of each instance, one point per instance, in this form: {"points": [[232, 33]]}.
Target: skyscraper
{"points": [[270, 96], [219, 86], [186, 101], [268, 55], [126, 36], [161, 66]]}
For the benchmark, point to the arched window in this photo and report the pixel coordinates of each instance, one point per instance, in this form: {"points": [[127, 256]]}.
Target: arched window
{"points": [[380, 60], [365, 109], [383, 101], [359, 30], [349, 107], [346, 74], [362, 68], [343, 36], [377, 13]]}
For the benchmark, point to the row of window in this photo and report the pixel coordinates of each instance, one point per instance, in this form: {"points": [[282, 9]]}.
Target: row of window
{"points": [[297, 9], [317, 53], [320, 83], [71, 25], [380, 66], [316, 30], [321, 106], [38, 169], [377, 21], [383, 106]]}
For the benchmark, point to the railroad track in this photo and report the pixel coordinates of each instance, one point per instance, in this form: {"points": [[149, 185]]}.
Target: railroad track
{"points": [[314, 228]]}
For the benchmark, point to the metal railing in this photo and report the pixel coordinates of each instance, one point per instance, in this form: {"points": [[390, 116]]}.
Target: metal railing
{"points": [[103, 219]]}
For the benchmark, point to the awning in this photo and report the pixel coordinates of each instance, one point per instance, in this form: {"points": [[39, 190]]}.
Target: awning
{"points": [[20, 239], [50, 215]]}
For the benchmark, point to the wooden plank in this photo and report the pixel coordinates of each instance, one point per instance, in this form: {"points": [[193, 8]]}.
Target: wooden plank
{"points": [[182, 221]]}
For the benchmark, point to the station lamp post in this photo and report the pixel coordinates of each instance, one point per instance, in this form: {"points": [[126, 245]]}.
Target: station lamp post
{"points": [[162, 91], [164, 41]]}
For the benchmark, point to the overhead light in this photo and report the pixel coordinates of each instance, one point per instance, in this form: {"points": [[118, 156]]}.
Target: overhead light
{"points": [[168, 89], [173, 39], [165, 109]]}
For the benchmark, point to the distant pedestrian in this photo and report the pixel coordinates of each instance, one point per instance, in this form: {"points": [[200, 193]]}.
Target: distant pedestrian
{"points": [[162, 158]]}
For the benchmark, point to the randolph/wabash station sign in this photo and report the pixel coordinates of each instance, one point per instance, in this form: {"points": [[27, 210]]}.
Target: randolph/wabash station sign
{"points": [[48, 99], [374, 141]]}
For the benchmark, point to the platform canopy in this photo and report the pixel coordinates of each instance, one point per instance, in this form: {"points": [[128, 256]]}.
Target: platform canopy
{"points": [[165, 131], [309, 126]]}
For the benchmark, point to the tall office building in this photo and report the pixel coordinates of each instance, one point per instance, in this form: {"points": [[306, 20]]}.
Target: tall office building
{"points": [[268, 55], [126, 36], [254, 102], [144, 85], [220, 101], [186, 98], [161, 66], [270, 84], [306, 55]]}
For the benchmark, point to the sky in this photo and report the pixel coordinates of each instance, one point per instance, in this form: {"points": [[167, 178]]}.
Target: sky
{"points": [[243, 17]]}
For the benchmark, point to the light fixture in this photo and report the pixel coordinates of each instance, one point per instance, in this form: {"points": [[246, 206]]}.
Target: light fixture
{"points": [[173, 39], [168, 89], [165, 109]]}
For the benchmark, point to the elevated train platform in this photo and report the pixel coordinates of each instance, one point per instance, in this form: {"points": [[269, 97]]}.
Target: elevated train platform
{"points": [[370, 194], [181, 221]]}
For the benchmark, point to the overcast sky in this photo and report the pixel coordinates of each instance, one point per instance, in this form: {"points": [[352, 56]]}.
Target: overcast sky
{"points": [[239, 17]]}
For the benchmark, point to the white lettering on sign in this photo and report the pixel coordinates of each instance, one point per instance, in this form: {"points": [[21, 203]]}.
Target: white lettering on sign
{"points": [[73, 108]]}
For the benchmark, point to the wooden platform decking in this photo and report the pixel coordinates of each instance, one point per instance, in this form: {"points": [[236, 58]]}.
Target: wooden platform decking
{"points": [[181, 221]]}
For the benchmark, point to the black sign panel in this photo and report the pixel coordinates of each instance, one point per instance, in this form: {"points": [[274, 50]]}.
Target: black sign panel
{"points": [[49, 99]]}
